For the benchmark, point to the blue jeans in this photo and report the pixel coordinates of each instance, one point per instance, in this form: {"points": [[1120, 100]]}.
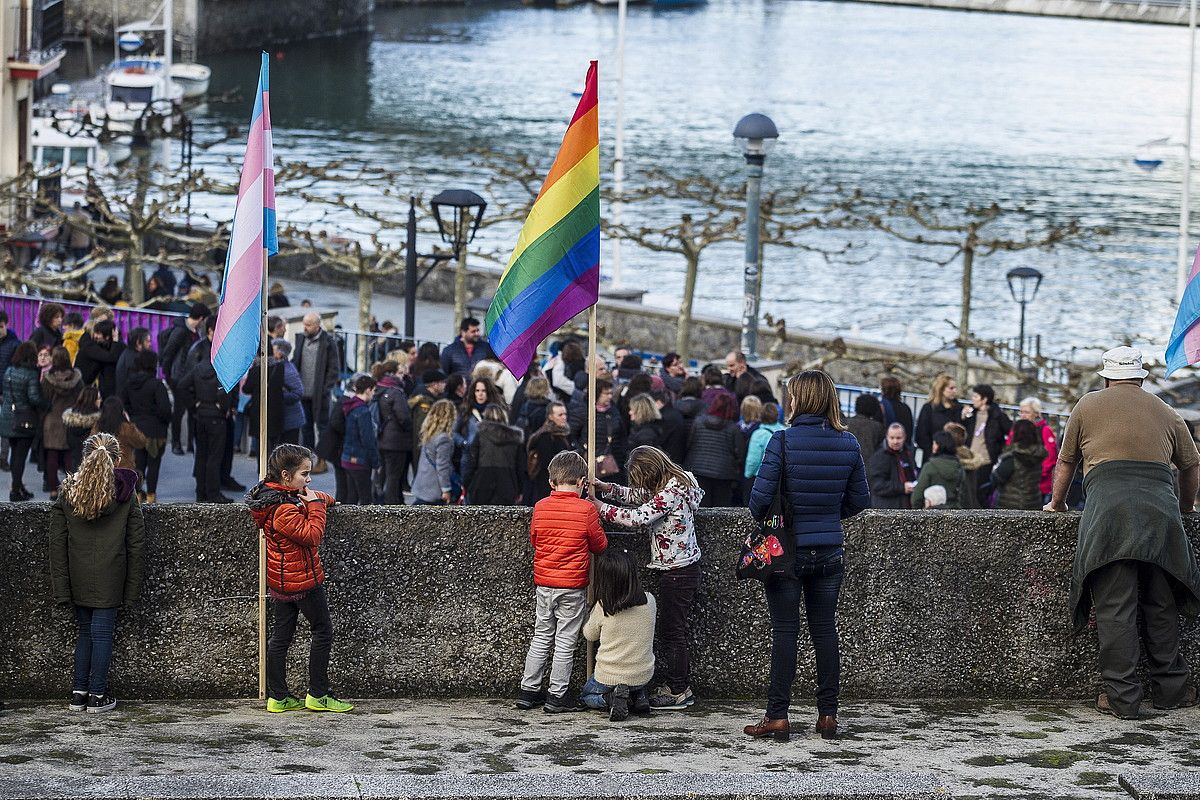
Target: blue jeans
{"points": [[592, 694], [818, 581], [93, 648]]}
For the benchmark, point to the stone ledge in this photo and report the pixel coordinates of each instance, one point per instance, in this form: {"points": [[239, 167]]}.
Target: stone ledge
{"points": [[861, 786], [1162, 785]]}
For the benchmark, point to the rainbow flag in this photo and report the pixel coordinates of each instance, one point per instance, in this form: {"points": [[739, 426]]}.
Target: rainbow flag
{"points": [[239, 319], [554, 271]]}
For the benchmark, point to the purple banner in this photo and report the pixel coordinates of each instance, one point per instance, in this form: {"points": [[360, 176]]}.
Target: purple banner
{"points": [[23, 316]]}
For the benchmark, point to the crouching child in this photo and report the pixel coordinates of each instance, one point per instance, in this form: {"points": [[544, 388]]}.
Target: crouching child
{"points": [[622, 620]]}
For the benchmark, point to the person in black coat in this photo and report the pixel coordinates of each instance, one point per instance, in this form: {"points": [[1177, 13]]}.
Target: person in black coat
{"points": [[48, 333], [867, 425], [317, 356], [717, 451], [892, 471], [941, 407], [544, 445], [531, 416], [149, 408], [202, 390], [139, 340], [395, 434], [895, 409], [99, 352], [172, 358], [674, 428], [645, 423]]}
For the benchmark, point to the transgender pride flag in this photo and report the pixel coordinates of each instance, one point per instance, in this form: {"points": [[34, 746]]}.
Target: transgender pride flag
{"points": [[1184, 347], [239, 319]]}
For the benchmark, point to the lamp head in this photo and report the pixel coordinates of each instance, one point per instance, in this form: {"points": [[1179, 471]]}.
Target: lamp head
{"points": [[1023, 282], [454, 225], [756, 134]]}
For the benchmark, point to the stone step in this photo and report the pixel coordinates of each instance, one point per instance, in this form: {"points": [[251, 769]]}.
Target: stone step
{"points": [[559, 786], [1162, 785]]}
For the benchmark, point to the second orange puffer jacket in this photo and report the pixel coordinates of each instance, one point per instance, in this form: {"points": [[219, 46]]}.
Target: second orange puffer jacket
{"points": [[565, 532]]}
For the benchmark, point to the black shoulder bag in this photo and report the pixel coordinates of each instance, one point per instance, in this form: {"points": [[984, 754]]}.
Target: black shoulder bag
{"points": [[770, 549]]}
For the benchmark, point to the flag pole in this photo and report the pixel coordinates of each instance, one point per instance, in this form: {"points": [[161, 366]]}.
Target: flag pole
{"points": [[262, 474], [591, 451]]}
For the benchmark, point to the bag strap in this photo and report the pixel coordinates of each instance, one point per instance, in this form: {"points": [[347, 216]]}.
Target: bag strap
{"points": [[785, 504]]}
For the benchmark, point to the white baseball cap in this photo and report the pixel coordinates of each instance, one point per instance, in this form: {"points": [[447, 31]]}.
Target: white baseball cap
{"points": [[1123, 364]]}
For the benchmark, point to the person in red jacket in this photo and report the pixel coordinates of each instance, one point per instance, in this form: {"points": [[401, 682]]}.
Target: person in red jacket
{"points": [[565, 531], [292, 519]]}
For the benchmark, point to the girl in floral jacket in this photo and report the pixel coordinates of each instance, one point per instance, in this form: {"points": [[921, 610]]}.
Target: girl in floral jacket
{"points": [[663, 497]]}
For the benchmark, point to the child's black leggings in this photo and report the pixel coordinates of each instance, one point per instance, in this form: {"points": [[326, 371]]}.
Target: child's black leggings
{"points": [[316, 610]]}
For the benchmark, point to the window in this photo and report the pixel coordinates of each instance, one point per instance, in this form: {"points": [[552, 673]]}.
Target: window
{"points": [[78, 157], [52, 157], [132, 94]]}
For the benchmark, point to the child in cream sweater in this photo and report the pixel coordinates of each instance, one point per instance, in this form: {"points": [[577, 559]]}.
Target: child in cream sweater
{"points": [[622, 620]]}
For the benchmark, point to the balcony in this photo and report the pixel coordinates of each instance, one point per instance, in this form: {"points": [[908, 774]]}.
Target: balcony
{"points": [[36, 38]]}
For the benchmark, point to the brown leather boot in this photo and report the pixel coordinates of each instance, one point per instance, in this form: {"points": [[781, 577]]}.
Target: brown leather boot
{"points": [[778, 729], [827, 726]]}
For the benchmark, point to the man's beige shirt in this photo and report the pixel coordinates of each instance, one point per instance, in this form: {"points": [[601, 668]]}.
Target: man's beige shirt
{"points": [[1126, 423]]}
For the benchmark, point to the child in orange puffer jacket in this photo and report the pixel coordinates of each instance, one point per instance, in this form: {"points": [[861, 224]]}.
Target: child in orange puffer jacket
{"points": [[292, 518], [565, 531]]}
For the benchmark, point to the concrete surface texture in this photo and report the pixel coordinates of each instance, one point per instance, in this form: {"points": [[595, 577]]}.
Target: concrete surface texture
{"points": [[439, 602], [910, 749]]}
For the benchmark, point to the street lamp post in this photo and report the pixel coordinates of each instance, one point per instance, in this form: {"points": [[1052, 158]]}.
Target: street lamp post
{"points": [[458, 229], [1023, 282], [757, 134]]}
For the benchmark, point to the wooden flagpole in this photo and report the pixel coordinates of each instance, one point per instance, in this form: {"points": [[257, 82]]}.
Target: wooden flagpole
{"points": [[591, 451], [262, 473]]}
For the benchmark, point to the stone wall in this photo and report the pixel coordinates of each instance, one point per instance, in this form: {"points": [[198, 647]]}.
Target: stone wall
{"points": [[439, 602], [220, 25]]}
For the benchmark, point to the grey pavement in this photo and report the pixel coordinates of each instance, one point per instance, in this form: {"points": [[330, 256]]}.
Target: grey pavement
{"points": [[1027, 750]]}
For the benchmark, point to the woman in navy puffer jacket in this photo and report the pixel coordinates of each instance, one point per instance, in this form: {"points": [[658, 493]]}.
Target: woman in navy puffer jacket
{"points": [[825, 482]]}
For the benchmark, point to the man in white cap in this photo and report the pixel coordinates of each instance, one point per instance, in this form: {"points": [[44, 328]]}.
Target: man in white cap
{"points": [[1132, 552]]}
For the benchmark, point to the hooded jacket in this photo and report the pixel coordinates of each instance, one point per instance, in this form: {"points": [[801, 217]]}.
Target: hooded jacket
{"points": [[716, 448], [395, 417], [360, 449], [565, 531], [293, 529], [494, 465], [60, 388], [1019, 476], [940, 470], [99, 563], [148, 405], [669, 516], [22, 393]]}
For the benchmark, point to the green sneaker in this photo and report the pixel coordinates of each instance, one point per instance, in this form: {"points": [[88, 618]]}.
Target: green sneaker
{"points": [[326, 703], [288, 703]]}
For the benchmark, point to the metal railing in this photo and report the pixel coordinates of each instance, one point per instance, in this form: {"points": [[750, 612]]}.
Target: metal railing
{"points": [[23, 315], [378, 345], [848, 394]]}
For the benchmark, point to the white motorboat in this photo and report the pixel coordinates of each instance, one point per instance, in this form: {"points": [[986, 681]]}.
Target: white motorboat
{"points": [[64, 153], [193, 78], [129, 87]]}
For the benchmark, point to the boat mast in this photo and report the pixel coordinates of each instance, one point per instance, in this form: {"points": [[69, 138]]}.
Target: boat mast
{"points": [[619, 146]]}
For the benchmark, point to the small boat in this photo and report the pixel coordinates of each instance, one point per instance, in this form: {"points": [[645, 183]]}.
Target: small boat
{"points": [[130, 86], [193, 78], [63, 152]]}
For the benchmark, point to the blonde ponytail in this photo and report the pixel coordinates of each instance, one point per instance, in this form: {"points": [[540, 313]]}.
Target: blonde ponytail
{"points": [[89, 489]]}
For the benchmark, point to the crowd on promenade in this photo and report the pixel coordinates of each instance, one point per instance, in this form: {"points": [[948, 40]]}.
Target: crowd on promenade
{"points": [[451, 425]]}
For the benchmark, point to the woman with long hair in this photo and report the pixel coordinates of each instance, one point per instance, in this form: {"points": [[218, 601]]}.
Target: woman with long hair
{"points": [[622, 621], [115, 421], [495, 461], [60, 387], [645, 422], [96, 561], [941, 407], [433, 481], [663, 497], [483, 392], [817, 467], [80, 420], [20, 413], [1019, 471], [548, 441], [428, 358], [717, 450]]}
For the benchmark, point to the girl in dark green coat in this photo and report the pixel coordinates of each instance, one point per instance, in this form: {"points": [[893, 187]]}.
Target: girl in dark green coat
{"points": [[96, 561], [20, 413]]}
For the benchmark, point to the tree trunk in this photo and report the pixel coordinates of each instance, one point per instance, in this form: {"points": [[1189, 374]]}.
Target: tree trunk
{"points": [[460, 279], [964, 312], [134, 281], [366, 285], [684, 330]]}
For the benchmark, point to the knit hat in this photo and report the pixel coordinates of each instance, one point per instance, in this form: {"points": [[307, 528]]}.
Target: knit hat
{"points": [[433, 376]]}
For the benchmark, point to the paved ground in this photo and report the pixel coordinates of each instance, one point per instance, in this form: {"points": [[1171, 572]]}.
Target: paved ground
{"points": [[979, 750]]}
